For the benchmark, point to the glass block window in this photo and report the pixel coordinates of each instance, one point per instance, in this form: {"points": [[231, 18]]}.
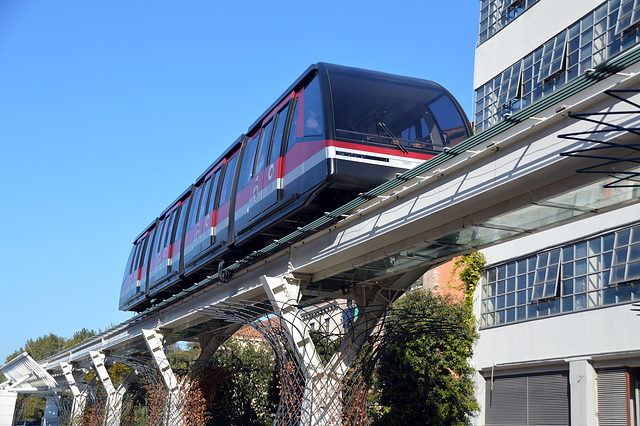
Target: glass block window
{"points": [[496, 14], [598, 271], [587, 43]]}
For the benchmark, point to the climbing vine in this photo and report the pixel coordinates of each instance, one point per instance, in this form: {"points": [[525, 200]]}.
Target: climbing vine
{"points": [[469, 268]]}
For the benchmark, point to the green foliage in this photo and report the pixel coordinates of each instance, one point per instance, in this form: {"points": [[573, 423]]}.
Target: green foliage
{"points": [[50, 344], [242, 397], [424, 378], [472, 268], [29, 407], [79, 337], [326, 346]]}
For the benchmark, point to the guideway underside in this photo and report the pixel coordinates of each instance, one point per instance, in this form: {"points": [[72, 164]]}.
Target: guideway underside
{"points": [[482, 192]]}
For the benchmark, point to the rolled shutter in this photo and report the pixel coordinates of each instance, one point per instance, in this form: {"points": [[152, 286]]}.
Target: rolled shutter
{"points": [[549, 399], [527, 400], [612, 397]]}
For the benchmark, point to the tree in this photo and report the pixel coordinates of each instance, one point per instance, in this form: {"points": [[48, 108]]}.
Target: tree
{"points": [[244, 393], [423, 376], [31, 407]]}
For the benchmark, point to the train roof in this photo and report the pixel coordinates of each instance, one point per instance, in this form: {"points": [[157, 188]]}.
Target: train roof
{"points": [[324, 67]]}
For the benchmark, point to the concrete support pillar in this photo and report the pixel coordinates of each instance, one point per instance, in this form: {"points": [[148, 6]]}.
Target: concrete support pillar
{"points": [[79, 397], [321, 404], [114, 401], [582, 385], [51, 410], [209, 344], [174, 403], [7, 407], [319, 407]]}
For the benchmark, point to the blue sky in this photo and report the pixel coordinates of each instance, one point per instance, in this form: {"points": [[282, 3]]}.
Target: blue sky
{"points": [[110, 109]]}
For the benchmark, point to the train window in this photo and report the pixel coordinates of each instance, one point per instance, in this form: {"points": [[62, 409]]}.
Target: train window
{"points": [[450, 121], [205, 199], [279, 133], [293, 130], [139, 255], [149, 246], [170, 222], [214, 190], [225, 192], [193, 210], [160, 238], [130, 262], [263, 151], [385, 110], [248, 160], [180, 223], [313, 122]]}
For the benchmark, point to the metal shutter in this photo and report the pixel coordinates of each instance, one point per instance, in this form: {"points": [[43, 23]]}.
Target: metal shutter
{"points": [[506, 404], [549, 399], [612, 397], [527, 400]]}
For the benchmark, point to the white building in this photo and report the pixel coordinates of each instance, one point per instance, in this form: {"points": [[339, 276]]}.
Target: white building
{"points": [[559, 338]]}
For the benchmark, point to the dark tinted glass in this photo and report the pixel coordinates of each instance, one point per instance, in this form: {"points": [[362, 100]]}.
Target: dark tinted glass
{"points": [[313, 119], [293, 129], [386, 111], [264, 147], [248, 160], [205, 199], [225, 193], [193, 210], [179, 225], [450, 121], [279, 133]]}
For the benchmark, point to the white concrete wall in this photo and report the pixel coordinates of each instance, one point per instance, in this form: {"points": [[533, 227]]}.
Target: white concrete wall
{"points": [[7, 407], [526, 33], [575, 339]]}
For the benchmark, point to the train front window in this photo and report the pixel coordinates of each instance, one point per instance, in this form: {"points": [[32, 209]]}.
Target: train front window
{"points": [[401, 113]]}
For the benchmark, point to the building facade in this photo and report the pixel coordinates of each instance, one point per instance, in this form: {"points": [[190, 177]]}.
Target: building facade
{"points": [[559, 331]]}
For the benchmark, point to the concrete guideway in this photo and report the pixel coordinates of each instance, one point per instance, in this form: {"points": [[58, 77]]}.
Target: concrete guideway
{"points": [[513, 183]]}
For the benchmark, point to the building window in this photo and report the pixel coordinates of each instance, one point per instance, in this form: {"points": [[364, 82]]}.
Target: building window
{"points": [[629, 15], [553, 53], [611, 28], [497, 14], [600, 271]]}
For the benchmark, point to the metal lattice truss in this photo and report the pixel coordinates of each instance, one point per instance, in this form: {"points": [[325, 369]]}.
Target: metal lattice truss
{"points": [[616, 135], [325, 372]]}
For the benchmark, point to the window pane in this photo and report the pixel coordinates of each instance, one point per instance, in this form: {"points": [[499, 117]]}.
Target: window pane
{"points": [[263, 150], [313, 120], [279, 134]]}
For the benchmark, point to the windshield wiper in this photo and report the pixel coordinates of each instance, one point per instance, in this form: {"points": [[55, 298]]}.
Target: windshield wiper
{"points": [[389, 134]]}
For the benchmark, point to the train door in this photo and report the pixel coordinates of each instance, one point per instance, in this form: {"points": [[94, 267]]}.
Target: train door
{"points": [[161, 261], [304, 165], [177, 245], [246, 184], [208, 224], [271, 178], [192, 235], [222, 215], [259, 181]]}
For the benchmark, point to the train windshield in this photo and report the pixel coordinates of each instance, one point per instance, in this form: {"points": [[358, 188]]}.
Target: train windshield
{"points": [[405, 114]]}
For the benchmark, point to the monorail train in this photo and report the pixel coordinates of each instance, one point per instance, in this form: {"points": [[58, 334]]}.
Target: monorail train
{"points": [[335, 132]]}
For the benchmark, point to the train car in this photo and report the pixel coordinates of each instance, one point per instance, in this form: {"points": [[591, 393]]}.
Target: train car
{"points": [[335, 132]]}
